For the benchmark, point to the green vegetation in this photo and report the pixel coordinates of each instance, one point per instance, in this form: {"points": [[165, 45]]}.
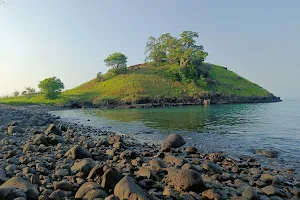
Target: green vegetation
{"points": [[116, 60], [51, 87], [176, 72]]}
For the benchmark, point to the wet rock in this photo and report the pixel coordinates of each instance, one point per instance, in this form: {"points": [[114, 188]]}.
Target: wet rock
{"points": [[172, 141], [267, 153], [191, 150], [185, 179], [128, 189], [53, 129], [90, 191], [78, 152]]}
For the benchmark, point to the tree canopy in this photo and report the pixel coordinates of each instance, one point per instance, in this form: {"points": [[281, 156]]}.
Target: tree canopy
{"points": [[182, 50], [51, 87], [116, 60]]}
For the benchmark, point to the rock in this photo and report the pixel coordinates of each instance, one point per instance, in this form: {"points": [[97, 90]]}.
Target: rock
{"points": [[112, 139], [110, 179], [191, 150], [11, 168], [209, 166], [11, 193], [21, 183], [250, 193], [128, 154], [144, 173], [128, 189], [90, 191], [14, 129], [267, 178], [84, 166], [270, 190], [210, 194], [53, 129], [111, 197], [63, 185], [172, 141], [157, 164], [40, 139], [62, 172], [96, 171], [29, 147], [78, 152], [58, 195], [55, 139], [186, 179], [267, 153], [174, 160]]}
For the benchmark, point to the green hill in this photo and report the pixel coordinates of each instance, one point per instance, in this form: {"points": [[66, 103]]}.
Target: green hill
{"points": [[149, 84]]}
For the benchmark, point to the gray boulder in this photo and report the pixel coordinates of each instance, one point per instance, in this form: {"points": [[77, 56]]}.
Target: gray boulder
{"points": [[53, 129], [78, 152], [90, 191], [128, 189], [172, 141], [186, 180]]}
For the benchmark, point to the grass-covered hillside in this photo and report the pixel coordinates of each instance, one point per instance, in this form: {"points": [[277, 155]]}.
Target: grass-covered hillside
{"points": [[147, 84]]}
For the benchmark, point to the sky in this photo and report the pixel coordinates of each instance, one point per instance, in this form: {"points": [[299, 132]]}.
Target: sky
{"points": [[69, 39]]}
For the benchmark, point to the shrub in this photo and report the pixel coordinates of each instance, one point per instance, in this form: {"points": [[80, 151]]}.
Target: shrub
{"points": [[107, 101]]}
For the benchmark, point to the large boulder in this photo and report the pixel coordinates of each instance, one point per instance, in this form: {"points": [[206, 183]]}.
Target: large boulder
{"points": [[11, 193], [128, 189], [172, 141], [53, 129], [90, 191], [186, 180], [40, 139], [78, 152], [29, 147], [23, 184], [84, 166], [14, 129], [110, 179]]}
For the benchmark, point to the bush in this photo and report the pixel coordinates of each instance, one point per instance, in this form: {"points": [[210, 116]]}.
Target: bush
{"points": [[202, 82], [114, 72], [100, 77], [175, 73]]}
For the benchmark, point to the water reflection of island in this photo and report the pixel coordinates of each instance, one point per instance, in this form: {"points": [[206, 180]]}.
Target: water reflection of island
{"points": [[216, 118]]}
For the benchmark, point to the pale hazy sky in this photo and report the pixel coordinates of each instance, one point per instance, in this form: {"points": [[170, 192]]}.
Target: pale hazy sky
{"points": [[259, 40]]}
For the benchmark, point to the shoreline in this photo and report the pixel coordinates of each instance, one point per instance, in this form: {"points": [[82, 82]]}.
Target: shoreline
{"points": [[49, 170]]}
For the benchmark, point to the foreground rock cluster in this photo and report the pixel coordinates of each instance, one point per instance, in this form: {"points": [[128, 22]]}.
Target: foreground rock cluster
{"points": [[43, 158]]}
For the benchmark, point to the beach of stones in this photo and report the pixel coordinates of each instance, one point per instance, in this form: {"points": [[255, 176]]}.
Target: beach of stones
{"points": [[42, 157]]}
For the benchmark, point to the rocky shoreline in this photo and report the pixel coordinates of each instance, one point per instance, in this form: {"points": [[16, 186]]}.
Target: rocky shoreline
{"points": [[214, 98], [42, 157]]}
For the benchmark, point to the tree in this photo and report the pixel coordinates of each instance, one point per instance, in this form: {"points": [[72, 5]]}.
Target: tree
{"points": [[181, 50], [100, 76], [116, 60], [51, 87], [29, 92], [16, 93]]}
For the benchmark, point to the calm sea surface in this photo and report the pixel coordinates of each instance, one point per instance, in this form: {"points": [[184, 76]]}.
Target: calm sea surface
{"points": [[235, 129]]}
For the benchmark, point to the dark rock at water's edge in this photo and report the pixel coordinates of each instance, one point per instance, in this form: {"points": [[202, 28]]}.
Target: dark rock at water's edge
{"points": [[213, 98], [89, 163]]}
